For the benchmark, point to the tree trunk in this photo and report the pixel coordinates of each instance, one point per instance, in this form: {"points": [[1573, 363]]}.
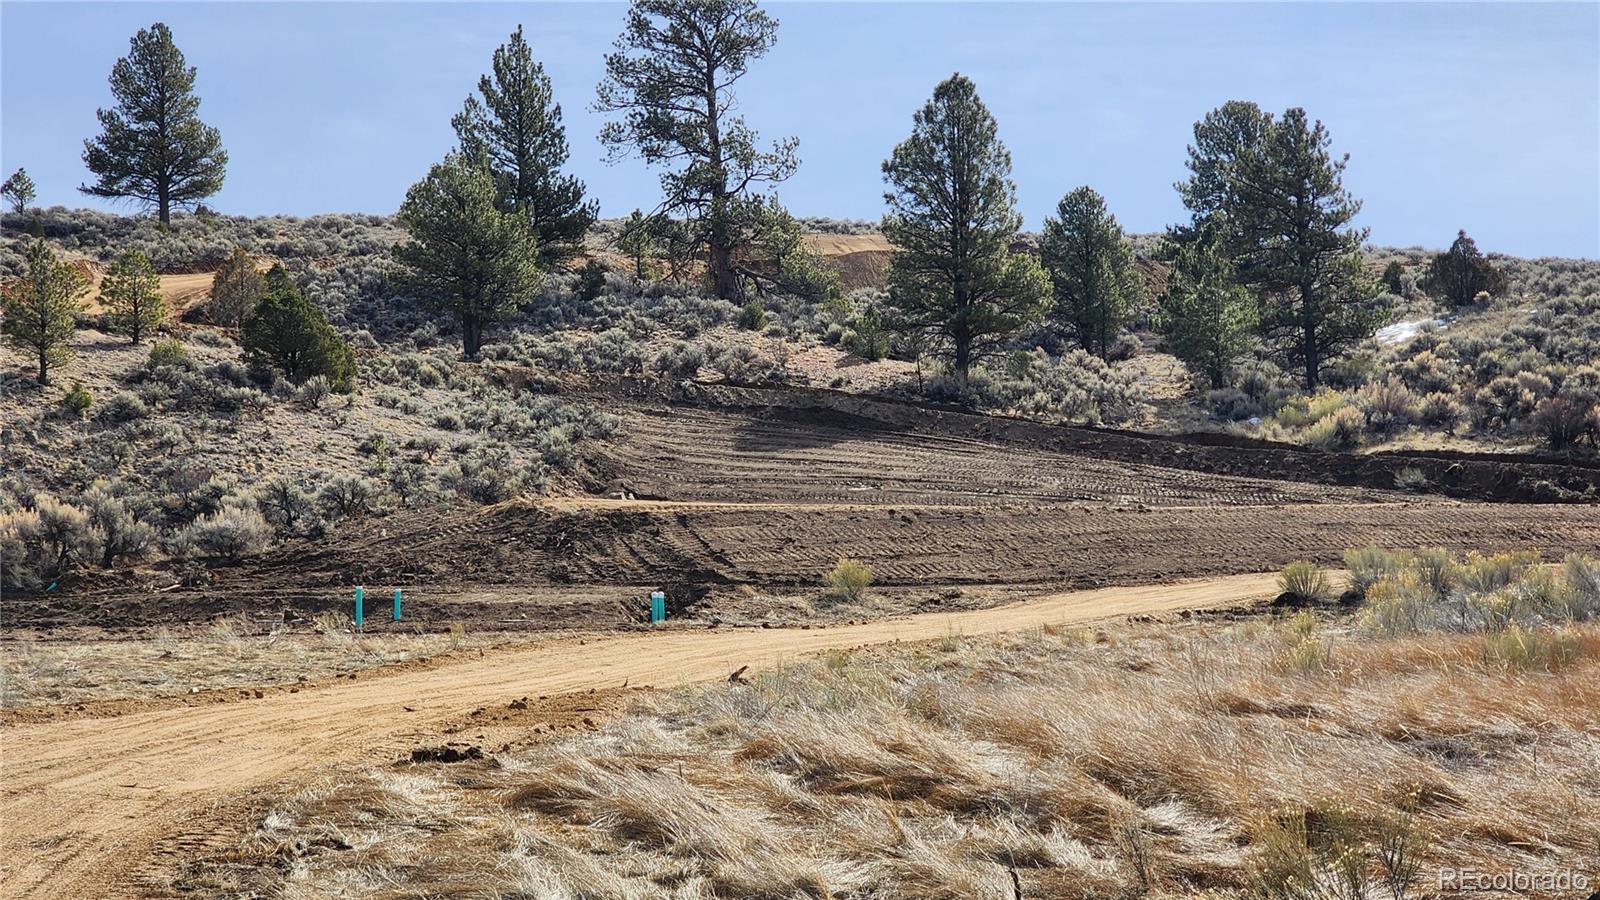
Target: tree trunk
{"points": [[164, 206], [725, 281], [471, 336], [963, 343], [1311, 355], [44, 367]]}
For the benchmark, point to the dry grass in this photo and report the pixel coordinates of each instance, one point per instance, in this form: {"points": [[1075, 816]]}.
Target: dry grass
{"points": [[231, 652], [1142, 759]]}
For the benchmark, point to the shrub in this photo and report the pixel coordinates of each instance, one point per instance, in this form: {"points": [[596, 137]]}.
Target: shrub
{"points": [[1305, 581], [230, 533], [752, 316], [491, 475], [1389, 405], [285, 504], [1442, 411], [1562, 421], [169, 352], [1411, 478], [849, 579], [742, 364], [76, 401], [348, 495], [1520, 649], [315, 390], [1368, 565], [123, 407], [114, 529], [1393, 608], [681, 360], [1341, 430]]}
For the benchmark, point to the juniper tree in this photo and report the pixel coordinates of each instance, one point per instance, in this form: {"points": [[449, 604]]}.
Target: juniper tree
{"points": [[1209, 320], [952, 220], [132, 292], [466, 255], [235, 288], [153, 147], [18, 191], [287, 332], [1091, 269], [671, 79], [41, 308], [1461, 273], [515, 125]]}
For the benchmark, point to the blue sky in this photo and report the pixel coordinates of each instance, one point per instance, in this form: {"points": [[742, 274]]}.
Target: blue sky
{"points": [[1478, 116]]}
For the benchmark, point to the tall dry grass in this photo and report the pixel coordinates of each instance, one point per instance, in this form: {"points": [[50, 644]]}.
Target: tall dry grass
{"points": [[1169, 759]]}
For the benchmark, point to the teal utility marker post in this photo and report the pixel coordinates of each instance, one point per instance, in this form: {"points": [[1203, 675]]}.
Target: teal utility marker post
{"points": [[397, 604], [360, 596], [658, 606]]}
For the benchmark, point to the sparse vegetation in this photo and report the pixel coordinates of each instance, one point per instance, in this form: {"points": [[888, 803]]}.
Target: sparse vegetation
{"points": [[850, 579], [1189, 759]]}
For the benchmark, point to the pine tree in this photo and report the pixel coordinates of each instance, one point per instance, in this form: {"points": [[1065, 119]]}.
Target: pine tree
{"points": [[466, 256], [1091, 268], [287, 332], [1461, 273], [671, 78], [153, 146], [515, 125], [132, 291], [18, 191], [235, 288], [41, 308], [1209, 320], [636, 239], [1295, 244], [1273, 194], [952, 220]]}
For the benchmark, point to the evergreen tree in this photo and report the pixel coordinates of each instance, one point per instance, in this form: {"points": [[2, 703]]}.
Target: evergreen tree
{"points": [[18, 191], [41, 308], [1220, 140], [1091, 268], [671, 78], [235, 288], [153, 146], [782, 261], [1209, 320], [467, 256], [1274, 195], [952, 220], [287, 332], [636, 239], [1295, 244], [1394, 278], [515, 125], [1461, 273], [132, 291]]}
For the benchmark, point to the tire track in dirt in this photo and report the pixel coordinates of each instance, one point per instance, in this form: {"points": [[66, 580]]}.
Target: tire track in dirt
{"points": [[87, 803]]}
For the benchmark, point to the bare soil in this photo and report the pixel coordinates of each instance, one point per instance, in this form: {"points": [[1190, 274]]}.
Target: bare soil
{"points": [[736, 500]]}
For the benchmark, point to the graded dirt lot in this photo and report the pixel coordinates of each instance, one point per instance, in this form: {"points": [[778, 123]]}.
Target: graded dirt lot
{"points": [[101, 807], [767, 489]]}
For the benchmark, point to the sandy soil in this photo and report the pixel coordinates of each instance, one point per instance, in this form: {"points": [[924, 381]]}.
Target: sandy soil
{"points": [[100, 807]]}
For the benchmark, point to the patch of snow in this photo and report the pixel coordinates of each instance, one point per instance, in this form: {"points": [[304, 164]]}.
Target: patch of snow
{"points": [[1400, 332]]}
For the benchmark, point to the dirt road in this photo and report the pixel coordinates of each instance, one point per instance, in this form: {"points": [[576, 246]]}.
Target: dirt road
{"points": [[86, 803]]}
